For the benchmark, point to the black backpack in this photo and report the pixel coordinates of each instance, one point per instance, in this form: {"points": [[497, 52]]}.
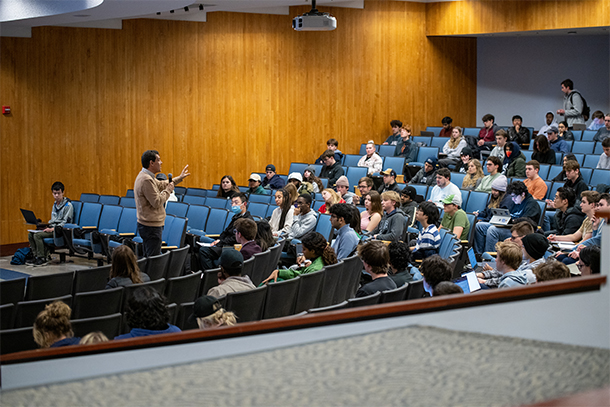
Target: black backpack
{"points": [[586, 110]]}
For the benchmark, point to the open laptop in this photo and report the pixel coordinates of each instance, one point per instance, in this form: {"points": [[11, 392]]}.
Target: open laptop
{"points": [[500, 217], [473, 261], [31, 219], [468, 282]]}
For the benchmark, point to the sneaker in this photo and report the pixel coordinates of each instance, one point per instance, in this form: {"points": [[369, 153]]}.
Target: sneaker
{"points": [[30, 262], [40, 262]]}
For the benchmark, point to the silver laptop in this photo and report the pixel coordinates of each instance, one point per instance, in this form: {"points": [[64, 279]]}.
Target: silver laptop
{"points": [[500, 217]]}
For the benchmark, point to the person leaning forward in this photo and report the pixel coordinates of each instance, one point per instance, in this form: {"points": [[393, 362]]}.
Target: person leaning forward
{"points": [[150, 195]]}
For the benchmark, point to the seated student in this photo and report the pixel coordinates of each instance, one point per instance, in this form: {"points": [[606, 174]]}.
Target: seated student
{"points": [[597, 120], [389, 181], [393, 222], [124, 270], [514, 162], [542, 151], [375, 259], [317, 253], [282, 216], [427, 175], [490, 276], [446, 288], [533, 246], [301, 186], [393, 139], [405, 147], [371, 159], [522, 205], [354, 220], [574, 179], [563, 131], [264, 237], [208, 313], [147, 314], [293, 194], [549, 121], [365, 185], [332, 169], [452, 148], [272, 180], [435, 269], [52, 327], [93, 337], [603, 132], [245, 233], [455, 219], [493, 166], [304, 220], [230, 279], [309, 175], [228, 187], [551, 270], [409, 204], [61, 213], [557, 144], [332, 145], [501, 140], [535, 185], [498, 199], [370, 218], [589, 261], [209, 255], [343, 190], [444, 187], [447, 129], [568, 218], [487, 135], [429, 239], [346, 240], [401, 270], [518, 133], [507, 262], [474, 176], [254, 185], [330, 198], [465, 159], [561, 177], [604, 159]]}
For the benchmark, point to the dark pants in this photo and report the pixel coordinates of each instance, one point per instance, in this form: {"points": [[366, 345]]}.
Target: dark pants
{"points": [[151, 238], [209, 256]]}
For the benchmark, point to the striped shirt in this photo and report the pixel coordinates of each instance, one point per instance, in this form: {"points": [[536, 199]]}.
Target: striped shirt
{"points": [[428, 239]]}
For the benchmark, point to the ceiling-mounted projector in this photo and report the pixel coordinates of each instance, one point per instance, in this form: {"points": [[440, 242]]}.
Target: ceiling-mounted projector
{"points": [[314, 21]]}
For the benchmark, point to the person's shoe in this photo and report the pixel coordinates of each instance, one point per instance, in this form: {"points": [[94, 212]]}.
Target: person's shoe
{"points": [[30, 262], [40, 262]]}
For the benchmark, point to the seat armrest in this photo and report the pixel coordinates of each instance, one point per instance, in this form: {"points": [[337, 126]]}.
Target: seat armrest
{"points": [[213, 235]]}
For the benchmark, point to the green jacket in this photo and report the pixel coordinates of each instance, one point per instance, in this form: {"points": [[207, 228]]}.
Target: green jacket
{"points": [[259, 190], [516, 168], [287, 274]]}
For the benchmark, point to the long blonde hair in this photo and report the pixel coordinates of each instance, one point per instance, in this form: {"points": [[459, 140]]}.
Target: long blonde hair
{"points": [[292, 191], [335, 197], [219, 318], [471, 180], [454, 142]]}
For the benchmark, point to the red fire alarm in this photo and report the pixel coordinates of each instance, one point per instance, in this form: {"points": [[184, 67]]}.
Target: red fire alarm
{"points": [[6, 110]]}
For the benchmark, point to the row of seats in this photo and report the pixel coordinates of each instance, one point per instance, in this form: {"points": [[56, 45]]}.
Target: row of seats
{"points": [[584, 135]]}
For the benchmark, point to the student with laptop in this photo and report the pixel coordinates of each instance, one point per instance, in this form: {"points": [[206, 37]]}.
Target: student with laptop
{"points": [[522, 205], [62, 213], [508, 261]]}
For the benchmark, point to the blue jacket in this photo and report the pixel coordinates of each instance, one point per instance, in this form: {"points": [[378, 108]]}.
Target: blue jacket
{"points": [[560, 146], [274, 183], [137, 332], [515, 278], [345, 242], [529, 208]]}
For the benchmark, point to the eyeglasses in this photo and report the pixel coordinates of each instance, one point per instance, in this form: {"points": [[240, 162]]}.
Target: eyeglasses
{"points": [[579, 265], [489, 164]]}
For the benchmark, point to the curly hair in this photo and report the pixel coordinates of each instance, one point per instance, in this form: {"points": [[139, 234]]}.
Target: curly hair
{"points": [[435, 269], [400, 255], [316, 243], [124, 264], [147, 310], [220, 318], [517, 188], [52, 324]]}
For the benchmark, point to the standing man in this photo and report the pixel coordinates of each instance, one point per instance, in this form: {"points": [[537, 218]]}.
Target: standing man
{"points": [[272, 180], [393, 139], [62, 213], [535, 185], [150, 195], [573, 104], [519, 133], [346, 239], [332, 169]]}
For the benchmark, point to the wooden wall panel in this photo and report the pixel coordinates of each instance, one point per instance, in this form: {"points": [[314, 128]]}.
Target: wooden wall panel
{"points": [[227, 97], [479, 17]]}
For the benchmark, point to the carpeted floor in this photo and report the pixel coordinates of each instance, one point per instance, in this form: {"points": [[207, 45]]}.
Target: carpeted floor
{"points": [[414, 366]]}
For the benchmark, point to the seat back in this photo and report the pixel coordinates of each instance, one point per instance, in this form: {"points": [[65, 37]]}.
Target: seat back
{"points": [[156, 266], [12, 291], [109, 199], [544, 171], [110, 216], [276, 253], [591, 161], [216, 221], [308, 293], [157, 285], [436, 130], [351, 160], [425, 152], [258, 209], [297, 167], [332, 276], [78, 206], [109, 325], [183, 289], [386, 151], [184, 312], [129, 193], [323, 226], [364, 301], [86, 197], [128, 222], [600, 176], [457, 178], [477, 201], [353, 270], [397, 294], [209, 279], [49, 286], [7, 312], [97, 303], [177, 208], [17, 340], [177, 233], [91, 279], [197, 216], [27, 311], [583, 147], [471, 131], [177, 259], [260, 269], [554, 171], [216, 202], [247, 305], [193, 199], [354, 174], [333, 307], [248, 267], [586, 174], [281, 298], [90, 214], [395, 163], [415, 290]]}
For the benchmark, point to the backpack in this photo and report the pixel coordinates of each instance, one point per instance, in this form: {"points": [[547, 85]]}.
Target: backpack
{"points": [[586, 110], [21, 255]]}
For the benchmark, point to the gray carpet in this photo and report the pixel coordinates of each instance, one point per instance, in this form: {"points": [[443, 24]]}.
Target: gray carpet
{"points": [[415, 366]]}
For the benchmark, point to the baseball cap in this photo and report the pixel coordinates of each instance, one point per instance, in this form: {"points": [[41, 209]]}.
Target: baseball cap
{"points": [[203, 307], [451, 199], [389, 171], [553, 129], [270, 167], [254, 177], [295, 175], [432, 160], [231, 259]]}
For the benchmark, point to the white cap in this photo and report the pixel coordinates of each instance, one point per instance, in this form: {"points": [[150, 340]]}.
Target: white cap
{"points": [[295, 175], [254, 177]]}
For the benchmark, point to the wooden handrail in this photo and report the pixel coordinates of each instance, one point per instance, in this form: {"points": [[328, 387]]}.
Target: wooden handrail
{"points": [[410, 307]]}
